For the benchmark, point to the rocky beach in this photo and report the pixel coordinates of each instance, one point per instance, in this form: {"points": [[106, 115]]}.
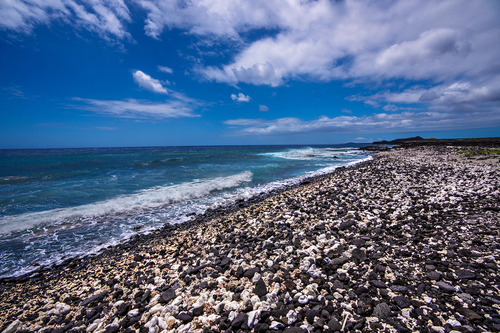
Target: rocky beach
{"points": [[406, 242]]}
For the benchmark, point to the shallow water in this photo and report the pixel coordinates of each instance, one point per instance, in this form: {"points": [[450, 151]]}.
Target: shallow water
{"points": [[61, 203]]}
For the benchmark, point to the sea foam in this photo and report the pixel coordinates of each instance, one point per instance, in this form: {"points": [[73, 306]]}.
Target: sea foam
{"points": [[146, 199]]}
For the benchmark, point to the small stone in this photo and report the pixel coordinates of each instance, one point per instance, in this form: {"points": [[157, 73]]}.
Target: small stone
{"points": [[445, 287], [359, 242], [251, 272], [112, 329], [261, 327], [469, 314], [311, 315], [303, 299], [184, 317], [168, 295], [253, 318], [260, 288], [123, 308], [382, 311], [291, 317], [12, 327], [466, 298], [465, 274], [95, 298], [398, 289], [401, 301], [240, 319], [337, 285], [453, 322], [133, 313], [198, 311], [434, 275], [276, 325], [347, 224], [289, 284], [334, 325], [225, 261], [59, 308], [339, 261], [377, 283]]}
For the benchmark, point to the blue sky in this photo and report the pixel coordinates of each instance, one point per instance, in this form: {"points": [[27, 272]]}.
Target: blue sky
{"points": [[161, 72]]}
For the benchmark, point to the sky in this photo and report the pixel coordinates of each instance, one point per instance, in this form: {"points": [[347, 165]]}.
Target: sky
{"points": [[101, 73]]}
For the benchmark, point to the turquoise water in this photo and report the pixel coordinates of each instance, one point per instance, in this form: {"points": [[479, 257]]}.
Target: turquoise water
{"points": [[61, 203]]}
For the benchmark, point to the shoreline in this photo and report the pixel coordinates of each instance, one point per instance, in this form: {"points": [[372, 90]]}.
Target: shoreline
{"points": [[347, 250], [196, 219]]}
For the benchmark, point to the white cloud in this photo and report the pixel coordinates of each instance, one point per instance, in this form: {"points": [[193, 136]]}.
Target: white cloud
{"points": [[377, 123], [107, 18], [165, 69], [240, 97], [314, 40], [455, 95], [139, 109], [353, 39], [450, 45], [208, 17], [263, 108], [147, 82]]}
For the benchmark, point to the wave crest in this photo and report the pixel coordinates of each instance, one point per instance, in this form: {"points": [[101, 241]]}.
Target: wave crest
{"points": [[146, 199]]}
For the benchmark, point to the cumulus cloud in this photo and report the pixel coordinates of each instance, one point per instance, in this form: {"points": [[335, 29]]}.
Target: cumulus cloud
{"points": [[444, 53], [313, 40], [263, 108], [353, 39], [240, 97], [139, 109], [107, 18], [147, 82]]}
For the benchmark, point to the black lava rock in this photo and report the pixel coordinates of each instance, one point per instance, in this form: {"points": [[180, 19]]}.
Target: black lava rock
{"points": [[260, 288]]}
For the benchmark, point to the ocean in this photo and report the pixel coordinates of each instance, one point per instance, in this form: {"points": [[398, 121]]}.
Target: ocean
{"points": [[57, 204]]}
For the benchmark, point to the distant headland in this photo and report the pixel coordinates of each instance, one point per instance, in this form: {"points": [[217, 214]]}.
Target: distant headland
{"points": [[419, 141]]}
